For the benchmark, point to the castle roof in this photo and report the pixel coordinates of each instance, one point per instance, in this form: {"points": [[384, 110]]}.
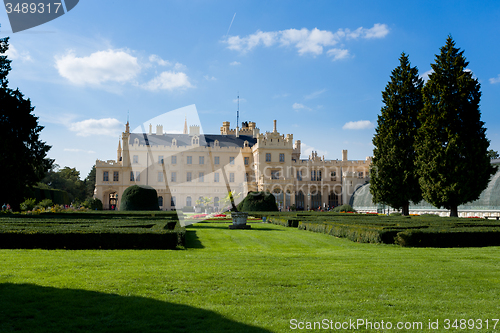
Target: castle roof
{"points": [[207, 140]]}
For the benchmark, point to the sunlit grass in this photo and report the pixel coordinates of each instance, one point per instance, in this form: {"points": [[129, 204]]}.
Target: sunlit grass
{"points": [[246, 280]]}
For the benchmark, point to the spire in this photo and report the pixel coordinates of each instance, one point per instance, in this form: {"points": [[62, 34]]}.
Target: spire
{"points": [[185, 125], [127, 127], [119, 152]]}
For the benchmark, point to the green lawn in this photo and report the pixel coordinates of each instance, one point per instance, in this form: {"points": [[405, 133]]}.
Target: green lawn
{"points": [[246, 281]]}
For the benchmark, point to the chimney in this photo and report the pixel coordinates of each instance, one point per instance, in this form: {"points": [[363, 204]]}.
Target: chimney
{"points": [[159, 129], [274, 129], [344, 155], [237, 132]]}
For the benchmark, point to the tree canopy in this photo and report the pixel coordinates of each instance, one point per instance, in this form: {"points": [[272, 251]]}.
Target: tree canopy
{"points": [[452, 148], [393, 178], [23, 160]]}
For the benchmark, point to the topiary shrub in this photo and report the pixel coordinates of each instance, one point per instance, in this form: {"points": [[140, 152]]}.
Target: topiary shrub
{"points": [[139, 198], [258, 202]]}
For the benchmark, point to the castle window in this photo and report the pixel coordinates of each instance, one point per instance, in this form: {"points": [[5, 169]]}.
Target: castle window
{"points": [[313, 175], [275, 174], [105, 176], [172, 202], [216, 177], [216, 143], [116, 176], [137, 176], [268, 157], [173, 159], [189, 177], [246, 176], [216, 160], [231, 177], [188, 201], [201, 177], [360, 174], [160, 201], [333, 175], [136, 141], [190, 160], [245, 144], [160, 159], [231, 160], [160, 176], [173, 177], [216, 202], [319, 175], [247, 160], [202, 159], [299, 175], [282, 157], [131, 176], [174, 142], [135, 159]]}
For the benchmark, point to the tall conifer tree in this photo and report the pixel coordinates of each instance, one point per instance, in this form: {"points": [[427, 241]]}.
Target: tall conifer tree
{"points": [[393, 179], [453, 162]]}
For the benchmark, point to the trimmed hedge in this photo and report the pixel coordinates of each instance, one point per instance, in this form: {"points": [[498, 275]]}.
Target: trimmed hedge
{"points": [[92, 231], [432, 231], [139, 197], [258, 202]]}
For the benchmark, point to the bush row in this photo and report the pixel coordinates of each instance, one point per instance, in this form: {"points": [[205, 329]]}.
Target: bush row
{"points": [[469, 237]]}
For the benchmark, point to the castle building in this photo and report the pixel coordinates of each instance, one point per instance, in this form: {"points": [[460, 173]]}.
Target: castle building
{"points": [[184, 168]]}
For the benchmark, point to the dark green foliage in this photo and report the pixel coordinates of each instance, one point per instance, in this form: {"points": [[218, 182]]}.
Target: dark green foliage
{"points": [[23, 159], [89, 183], [452, 148], [66, 179], [59, 197], [393, 178], [493, 154], [149, 230], [45, 203], [139, 197], [258, 202], [343, 208], [472, 237], [93, 204]]}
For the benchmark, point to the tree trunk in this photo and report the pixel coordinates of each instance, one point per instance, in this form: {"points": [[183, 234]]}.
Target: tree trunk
{"points": [[406, 209], [454, 211]]}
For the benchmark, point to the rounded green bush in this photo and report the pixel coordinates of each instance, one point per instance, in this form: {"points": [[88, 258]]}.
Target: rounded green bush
{"points": [[258, 202], [138, 197]]}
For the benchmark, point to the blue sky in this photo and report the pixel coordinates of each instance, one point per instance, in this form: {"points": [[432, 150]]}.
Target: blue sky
{"points": [[318, 67]]}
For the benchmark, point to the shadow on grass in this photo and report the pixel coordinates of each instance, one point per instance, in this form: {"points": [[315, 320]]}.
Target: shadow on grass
{"points": [[36, 309], [225, 226], [192, 240]]}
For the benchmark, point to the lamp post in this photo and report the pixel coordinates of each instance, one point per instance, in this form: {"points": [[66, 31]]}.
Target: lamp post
{"points": [[308, 200]]}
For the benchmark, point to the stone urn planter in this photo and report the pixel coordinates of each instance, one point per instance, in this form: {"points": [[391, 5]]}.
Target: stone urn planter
{"points": [[239, 220]]}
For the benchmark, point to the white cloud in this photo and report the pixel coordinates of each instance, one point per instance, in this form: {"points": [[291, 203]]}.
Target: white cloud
{"points": [[105, 126], [338, 54], [306, 41], [358, 125], [377, 31], [179, 67], [99, 67], [209, 78], [235, 63], [495, 80], [315, 94], [76, 150], [13, 54], [168, 80], [159, 61], [425, 76], [298, 106]]}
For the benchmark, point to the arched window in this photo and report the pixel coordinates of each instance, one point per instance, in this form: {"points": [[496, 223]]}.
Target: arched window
{"points": [[216, 202], [160, 201], [188, 201], [299, 200], [333, 199], [172, 202]]}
